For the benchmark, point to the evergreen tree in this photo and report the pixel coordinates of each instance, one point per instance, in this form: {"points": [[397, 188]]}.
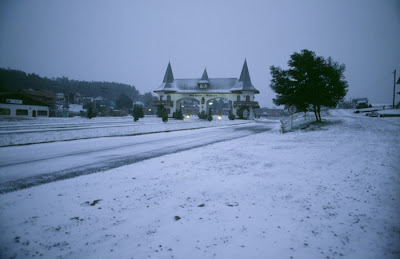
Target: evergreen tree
{"points": [[202, 115], [240, 111], [13, 80], [90, 113], [136, 112], [140, 112], [160, 111], [209, 117], [124, 102], [310, 82], [178, 114], [165, 115], [231, 116]]}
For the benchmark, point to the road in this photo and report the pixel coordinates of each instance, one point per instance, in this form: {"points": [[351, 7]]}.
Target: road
{"points": [[30, 165], [45, 126]]}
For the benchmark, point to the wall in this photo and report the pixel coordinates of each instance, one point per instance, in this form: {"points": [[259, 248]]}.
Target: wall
{"points": [[32, 110]]}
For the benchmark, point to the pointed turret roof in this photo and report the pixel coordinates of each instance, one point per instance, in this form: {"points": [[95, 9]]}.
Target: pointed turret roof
{"points": [[214, 85], [169, 77], [168, 82], [244, 82], [245, 76], [204, 78]]}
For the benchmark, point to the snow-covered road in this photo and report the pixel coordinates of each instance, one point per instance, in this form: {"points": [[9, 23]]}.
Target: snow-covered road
{"points": [[23, 166], [46, 130]]}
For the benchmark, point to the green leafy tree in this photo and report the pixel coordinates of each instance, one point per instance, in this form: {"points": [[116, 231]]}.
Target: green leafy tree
{"points": [[310, 82]]}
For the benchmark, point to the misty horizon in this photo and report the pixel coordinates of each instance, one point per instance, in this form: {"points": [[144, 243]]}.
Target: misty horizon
{"points": [[132, 42]]}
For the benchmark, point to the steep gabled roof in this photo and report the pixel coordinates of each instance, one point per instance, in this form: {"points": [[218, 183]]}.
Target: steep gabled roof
{"points": [[244, 75], [169, 77], [220, 85], [168, 82], [244, 82], [204, 78]]}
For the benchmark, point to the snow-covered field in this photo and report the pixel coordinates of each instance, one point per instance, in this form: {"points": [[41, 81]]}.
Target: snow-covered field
{"points": [[42, 130], [329, 191]]}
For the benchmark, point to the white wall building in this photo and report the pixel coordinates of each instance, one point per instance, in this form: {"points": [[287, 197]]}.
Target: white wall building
{"points": [[240, 91], [18, 105], [21, 110]]}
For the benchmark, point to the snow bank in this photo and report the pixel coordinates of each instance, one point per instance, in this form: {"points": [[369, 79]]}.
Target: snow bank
{"points": [[390, 112]]}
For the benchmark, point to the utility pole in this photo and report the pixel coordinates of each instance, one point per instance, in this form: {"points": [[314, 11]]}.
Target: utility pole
{"points": [[394, 86]]}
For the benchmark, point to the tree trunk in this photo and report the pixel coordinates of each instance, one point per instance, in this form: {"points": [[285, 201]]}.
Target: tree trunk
{"points": [[319, 112], [315, 112]]}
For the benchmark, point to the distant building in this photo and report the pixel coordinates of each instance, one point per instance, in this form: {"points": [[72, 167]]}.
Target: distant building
{"points": [[22, 105], [360, 102], [345, 105], [60, 98], [43, 96], [266, 112], [205, 90]]}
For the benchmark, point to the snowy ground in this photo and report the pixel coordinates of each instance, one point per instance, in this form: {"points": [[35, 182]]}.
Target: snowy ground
{"points": [[329, 191], [44, 130]]}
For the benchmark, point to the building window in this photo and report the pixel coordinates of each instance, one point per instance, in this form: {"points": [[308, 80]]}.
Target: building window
{"points": [[247, 98], [238, 98], [5, 111], [22, 112], [42, 113], [168, 98]]}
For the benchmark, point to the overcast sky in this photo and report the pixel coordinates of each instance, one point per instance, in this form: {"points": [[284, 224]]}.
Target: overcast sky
{"points": [[132, 41]]}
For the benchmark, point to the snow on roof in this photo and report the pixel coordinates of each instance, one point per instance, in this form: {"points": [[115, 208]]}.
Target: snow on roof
{"points": [[220, 85]]}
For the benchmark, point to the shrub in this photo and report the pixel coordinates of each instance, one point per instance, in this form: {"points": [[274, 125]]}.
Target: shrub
{"points": [[231, 116], [209, 117], [202, 115], [91, 113], [178, 115], [137, 112]]}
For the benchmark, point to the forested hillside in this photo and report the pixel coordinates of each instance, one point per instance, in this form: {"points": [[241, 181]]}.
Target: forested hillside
{"points": [[14, 80]]}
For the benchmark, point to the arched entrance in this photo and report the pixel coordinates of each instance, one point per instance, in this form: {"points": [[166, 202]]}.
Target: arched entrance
{"points": [[224, 93], [188, 106], [219, 106]]}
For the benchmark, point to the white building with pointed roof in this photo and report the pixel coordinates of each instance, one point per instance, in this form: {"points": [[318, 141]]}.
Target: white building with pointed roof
{"points": [[239, 91]]}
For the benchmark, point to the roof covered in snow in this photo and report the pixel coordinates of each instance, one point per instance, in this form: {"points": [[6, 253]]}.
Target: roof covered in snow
{"points": [[214, 85]]}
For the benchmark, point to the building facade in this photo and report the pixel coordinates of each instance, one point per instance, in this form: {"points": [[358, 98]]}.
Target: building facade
{"points": [[240, 92], [20, 105]]}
